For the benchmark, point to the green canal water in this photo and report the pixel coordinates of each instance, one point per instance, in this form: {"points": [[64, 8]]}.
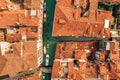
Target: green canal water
{"points": [[51, 41]]}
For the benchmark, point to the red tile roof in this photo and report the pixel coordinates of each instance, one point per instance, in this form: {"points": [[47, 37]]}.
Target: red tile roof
{"points": [[18, 61], [14, 17], [32, 4], [14, 64], [80, 55], [68, 22], [3, 4], [55, 69], [73, 49], [85, 59], [31, 35], [70, 70], [13, 37]]}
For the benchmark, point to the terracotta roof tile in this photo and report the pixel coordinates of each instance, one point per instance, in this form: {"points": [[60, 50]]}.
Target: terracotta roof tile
{"points": [[30, 60], [80, 55], [55, 69], [13, 37], [14, 64], [91, 71], [74, 49], [3, 4], [70, 70], [3, 62], [68, 22], [32, 4], [30, 46], [104, 69], [114, 55], [17, 49], [28, 32], [21, 59], [13, 17]]}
